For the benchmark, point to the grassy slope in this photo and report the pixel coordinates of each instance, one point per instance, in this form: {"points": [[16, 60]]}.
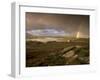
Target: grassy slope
{"points": [[38, 51]]}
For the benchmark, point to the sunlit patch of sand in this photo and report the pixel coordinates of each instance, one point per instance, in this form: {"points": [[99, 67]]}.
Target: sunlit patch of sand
{"points": [[45, 40]]}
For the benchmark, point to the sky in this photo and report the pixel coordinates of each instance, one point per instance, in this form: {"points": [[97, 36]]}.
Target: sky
{"points": [[47, 24]]}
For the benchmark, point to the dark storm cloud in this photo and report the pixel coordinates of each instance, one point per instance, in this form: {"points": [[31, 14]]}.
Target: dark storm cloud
{"points": [[68, 23]]}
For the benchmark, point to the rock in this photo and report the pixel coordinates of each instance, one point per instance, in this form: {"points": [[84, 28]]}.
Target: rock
{"points": [[69, 54]]}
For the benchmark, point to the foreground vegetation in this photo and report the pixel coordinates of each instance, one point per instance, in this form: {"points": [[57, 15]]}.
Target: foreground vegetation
{"points": [[75, 52]]}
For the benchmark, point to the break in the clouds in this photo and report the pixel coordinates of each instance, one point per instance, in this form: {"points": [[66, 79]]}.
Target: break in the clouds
{"points": [[47, 32], [57, 24]]}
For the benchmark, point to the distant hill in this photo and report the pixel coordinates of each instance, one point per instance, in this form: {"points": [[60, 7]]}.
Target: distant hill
{"points": [[29, 36]]}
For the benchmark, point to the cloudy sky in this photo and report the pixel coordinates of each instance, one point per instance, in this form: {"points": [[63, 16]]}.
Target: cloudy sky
{"points": [[57, 24]]}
